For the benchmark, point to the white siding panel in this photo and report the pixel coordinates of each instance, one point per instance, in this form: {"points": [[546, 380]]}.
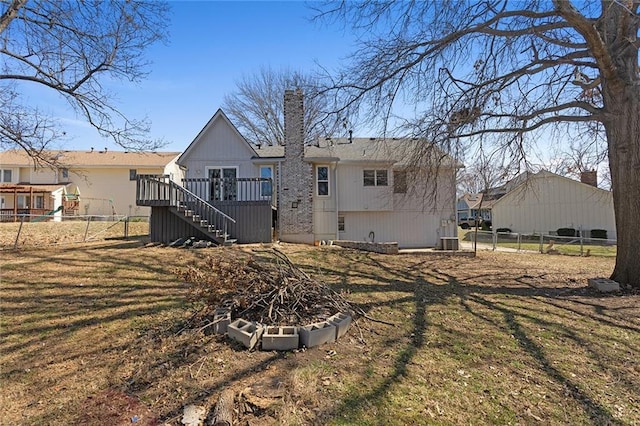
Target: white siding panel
{"points": [[43, 175], [408, 229], [220, 145], [354, 196], [324, 225], [552, 202]]}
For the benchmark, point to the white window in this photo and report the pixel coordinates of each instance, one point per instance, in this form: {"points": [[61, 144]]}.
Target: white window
{"points": [[133, 173], [23, 201], [39, 199], [223, 183], [6, 175], [266, 187], [375, 178], [322, 181]]}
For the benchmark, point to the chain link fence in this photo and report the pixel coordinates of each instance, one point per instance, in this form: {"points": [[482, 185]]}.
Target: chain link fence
{"points": [[539, 243], [23, 231]]}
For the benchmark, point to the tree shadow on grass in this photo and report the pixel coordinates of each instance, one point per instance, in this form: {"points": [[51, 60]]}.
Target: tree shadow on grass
{"points": [[420, 287]]}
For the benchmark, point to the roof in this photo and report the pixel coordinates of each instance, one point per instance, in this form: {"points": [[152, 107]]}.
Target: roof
{"points": [[545, 174], [92, 158], [6, 188], [472, 200], [362, 150]]}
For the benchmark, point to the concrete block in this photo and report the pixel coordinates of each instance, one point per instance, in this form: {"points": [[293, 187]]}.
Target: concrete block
{"points": [[222, 319], [342, 322], [604, 285], [316, 334], [280, 338], [245, 332]]}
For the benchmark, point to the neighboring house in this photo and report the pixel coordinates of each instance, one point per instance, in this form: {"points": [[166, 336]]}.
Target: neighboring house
{"points": [[473, 206], [81, 183], [546, 202], [341, 189]]}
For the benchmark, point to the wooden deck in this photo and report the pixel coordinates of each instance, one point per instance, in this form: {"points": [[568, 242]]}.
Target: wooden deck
{"points": [[220, 210]]}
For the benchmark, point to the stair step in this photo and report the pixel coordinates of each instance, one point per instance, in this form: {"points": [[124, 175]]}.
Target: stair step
{"points": [[188, 213], [204, 223], [196, 217]]}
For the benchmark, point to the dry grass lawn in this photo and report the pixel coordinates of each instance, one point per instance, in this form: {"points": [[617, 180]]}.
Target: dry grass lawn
{"points": [[92, 333]]}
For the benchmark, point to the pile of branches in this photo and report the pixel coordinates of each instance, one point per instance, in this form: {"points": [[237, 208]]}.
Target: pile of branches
{"points": [[264, 286]]}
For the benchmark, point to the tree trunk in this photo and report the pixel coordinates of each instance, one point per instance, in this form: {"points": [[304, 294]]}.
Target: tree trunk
{"points": [[623, 135]]}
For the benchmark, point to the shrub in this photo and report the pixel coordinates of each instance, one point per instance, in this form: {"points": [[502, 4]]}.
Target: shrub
{"points": [[599, 233], [566, 232], [503, 231], [486, 225]]}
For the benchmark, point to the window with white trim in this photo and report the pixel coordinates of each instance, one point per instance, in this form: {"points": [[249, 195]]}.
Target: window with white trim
{"points": [[375, 178], [266, 187], [23, 201], [223, 183], [322, 181], [6, 175]]}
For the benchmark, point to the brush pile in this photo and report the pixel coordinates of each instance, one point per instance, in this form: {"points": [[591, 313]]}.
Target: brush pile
{"points": [[264, 286]]}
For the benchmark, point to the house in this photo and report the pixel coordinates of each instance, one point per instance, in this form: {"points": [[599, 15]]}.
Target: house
{"points": [[545, 202], [473, 206], [339, 189], [80, 183]]}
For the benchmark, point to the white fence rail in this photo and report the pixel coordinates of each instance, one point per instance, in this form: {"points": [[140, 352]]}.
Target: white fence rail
{"points": [[540, 243]]}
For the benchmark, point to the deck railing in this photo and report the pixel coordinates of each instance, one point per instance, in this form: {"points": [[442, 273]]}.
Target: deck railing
{"points": [[15, 215], [160, 190], [231, 189]]}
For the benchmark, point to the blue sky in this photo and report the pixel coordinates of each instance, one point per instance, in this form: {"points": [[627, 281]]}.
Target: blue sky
{"points": [[211, 45]]}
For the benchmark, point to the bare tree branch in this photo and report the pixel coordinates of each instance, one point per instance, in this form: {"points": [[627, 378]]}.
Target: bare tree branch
{"points": [[72, 48]]}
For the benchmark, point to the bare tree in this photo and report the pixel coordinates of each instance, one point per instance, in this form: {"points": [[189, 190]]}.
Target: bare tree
{"points": [[502, 73], [482, 171], [74, 48], [257, 106]]}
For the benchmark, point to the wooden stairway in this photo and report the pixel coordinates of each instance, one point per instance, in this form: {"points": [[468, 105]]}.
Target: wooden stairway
{"points": [[159, 191], [191, 216]]}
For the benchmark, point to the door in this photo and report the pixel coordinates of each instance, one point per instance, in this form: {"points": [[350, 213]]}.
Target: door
{"points": [[223, 184]]}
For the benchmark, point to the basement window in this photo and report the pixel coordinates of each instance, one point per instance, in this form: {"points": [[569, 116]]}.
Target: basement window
{"points": [[341, 223]]}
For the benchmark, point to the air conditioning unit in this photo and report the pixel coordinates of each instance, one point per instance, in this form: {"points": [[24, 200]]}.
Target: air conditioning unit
{"points": [[449, 243]]}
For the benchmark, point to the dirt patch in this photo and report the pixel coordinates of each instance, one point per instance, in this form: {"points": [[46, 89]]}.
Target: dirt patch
{"points": [[116, 408]]}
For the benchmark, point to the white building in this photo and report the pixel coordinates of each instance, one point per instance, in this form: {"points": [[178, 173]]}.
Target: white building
{"points": [[547, 201]]}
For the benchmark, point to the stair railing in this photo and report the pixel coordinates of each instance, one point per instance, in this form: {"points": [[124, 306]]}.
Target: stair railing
{"points": [[160, 190], [188, 200]]}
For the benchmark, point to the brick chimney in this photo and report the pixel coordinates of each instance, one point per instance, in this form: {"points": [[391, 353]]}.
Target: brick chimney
{"points": [[295, 209], [590, 178]]}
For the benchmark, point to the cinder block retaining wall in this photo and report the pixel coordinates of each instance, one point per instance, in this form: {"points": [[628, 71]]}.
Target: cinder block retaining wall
{"points": [[384, 248]]}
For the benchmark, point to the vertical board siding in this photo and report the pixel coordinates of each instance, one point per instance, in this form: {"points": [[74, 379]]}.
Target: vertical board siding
{"points": [[253, 220], [547, 203]]}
